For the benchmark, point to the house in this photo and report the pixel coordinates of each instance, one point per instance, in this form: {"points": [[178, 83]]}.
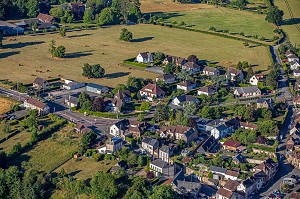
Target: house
{"points": [[191, 67], [112, 145], [182, 100], [137, 129], [206, 145], [221, 130], [184, 133], [165, 153], [257, 78], [294, 65], [231, 145], [124, 95], [72, 100], [207, 90], [186, 85], [265, 103], [113, 105], [96, 88], [144, 57], [186, 185], [72, 85], [151, 91], [119, 128], [166, 78], [247, 186], [178, 61], [35, 104], [248, 125], [269, 167], [10, 29], [217, 170], [150, 145], [27, 23], [296, 73], [162, 168], [45, 18], [201, 123], [234, 74], [239, 158], [77, 9], [292, 57], [40, 83], [211, 71], [79, 127], [296, 100], [297, 84], [250, 91], [229, 190]]}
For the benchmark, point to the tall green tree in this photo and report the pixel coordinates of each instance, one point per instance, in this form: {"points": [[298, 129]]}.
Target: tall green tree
{"points": [[88, 16], [125, 35], [108, 16], [104, 185], [163, 192], [274, 15], [33, 7]]}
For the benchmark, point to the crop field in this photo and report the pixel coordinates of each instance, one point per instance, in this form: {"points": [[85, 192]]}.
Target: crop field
{"points": [[84, 168], [5, 104], [289, 26], [234, 21], [50, 153], [28, 56]]}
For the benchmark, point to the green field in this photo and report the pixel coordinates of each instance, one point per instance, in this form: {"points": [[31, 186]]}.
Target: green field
{"points": [[50, 153], [22, 137], [85, 168], [290, 26], [234, 21], [28, 57]]}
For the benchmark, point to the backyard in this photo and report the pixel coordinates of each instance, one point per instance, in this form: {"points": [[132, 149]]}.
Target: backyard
{"points": [[5, 104], [28, 57]]}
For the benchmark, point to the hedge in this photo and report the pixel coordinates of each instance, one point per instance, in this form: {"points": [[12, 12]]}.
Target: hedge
{"points": [[133, 63], [261, 147], [109, 114]]}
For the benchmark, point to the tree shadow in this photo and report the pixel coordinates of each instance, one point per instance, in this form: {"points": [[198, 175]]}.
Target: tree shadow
{"points": [[142, 39], [19, 159], [116, 75], [79, 54], [164, 15], [7, 54], [291, 21], [22, 44], [82, 35], [73, 173]]}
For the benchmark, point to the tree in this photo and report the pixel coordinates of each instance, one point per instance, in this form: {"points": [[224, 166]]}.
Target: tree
{"points": [[272, 78], [267, 128], [57, 12], [5, 127], [125, 35], [87, 139], [108, 16], [163, 192], [93, 71], [34, 27], [87, 105], [134, 83], [52, 47], [170, 68], [119, 87], [266, 114], [33, 7], [83, 97], [142, 160], [145, 106], [103, 185], [206, 112], [68, 17], [240, 4], [274, 15], [88, 16], [192, 58], [59, 52], [62, 31], [98, 104], [140, 117], [250, 73]]}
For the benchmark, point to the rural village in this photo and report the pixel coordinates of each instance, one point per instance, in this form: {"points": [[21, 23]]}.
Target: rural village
{"points": [[142, 117]]}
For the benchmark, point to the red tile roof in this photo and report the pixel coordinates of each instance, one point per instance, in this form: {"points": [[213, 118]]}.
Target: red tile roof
{"points": [[35, 102], [231, 143], [45, 18], [153, 89], [225, 193]]}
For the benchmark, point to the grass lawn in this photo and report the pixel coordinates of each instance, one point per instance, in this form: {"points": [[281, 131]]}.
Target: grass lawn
{"points": [[225, 19], [25, 58], [85, 168], [50, 153], [22, 137], [5, 104], [290, 27]]}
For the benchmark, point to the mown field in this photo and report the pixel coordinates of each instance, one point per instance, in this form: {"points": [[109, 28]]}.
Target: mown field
{"points": [[289, 26], [50, 153], [28, 57], [84, 168], [5, 104], [22, 137]]}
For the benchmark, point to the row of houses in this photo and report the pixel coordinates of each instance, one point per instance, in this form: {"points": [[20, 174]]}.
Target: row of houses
{"points": [[293, 60]]}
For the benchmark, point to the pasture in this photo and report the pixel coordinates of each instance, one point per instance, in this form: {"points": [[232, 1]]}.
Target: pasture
{"points": [[50, 153], [84, 168], [221, 18], [22, 137], [28, 57], [289, 25]]}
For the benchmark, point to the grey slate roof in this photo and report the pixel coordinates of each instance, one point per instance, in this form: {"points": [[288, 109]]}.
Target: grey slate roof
{"points": [[210, 69], [98, 86], [248, 89], [150, 141], [186, 98], [217, 169], [159, 163]]}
